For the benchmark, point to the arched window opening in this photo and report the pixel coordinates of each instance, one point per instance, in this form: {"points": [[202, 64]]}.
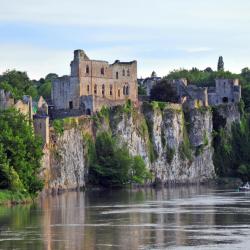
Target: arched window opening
{"points": [[88, 89], [102, 71], [127, 90], [111, 90], [123, 72], [87, 69], [119, 93], [124, 90], [128, 72], [103, 90], [117, 75], [95, 89]]}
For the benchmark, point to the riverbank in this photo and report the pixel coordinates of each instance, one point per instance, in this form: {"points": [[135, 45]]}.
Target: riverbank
{"points": [[11, 198]]}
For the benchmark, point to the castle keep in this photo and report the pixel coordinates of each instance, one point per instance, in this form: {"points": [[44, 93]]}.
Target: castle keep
{"points": [[93, 84]]}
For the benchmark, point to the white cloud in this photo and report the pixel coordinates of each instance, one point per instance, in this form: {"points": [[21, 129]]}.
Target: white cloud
{"points": [[161, 35]]}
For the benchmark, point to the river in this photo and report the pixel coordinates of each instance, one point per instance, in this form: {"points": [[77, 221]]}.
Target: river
{"points": [[195, 217]]}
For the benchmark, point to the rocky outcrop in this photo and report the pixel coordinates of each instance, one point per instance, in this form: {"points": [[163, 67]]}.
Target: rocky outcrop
{"points": [[176, 145], [174, 149], [64, 162], [225, 115]]}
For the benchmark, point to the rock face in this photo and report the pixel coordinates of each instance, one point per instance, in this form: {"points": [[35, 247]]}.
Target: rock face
{"points": [[175, 145], [226, 114], [174, 156], [64, 162]]}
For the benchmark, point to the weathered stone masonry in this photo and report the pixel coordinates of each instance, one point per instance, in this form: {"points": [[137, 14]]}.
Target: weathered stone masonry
{"points": [[93, 84]]}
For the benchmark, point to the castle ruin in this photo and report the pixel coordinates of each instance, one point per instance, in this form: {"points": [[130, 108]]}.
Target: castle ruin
{"points": [[225, 91], [93, 84]]}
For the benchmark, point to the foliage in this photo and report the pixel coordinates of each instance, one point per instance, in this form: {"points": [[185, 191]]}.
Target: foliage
{"points": [[113, 166], [141, 90], [58, 126], [200, 77], [164, 92], [220, 66], [170, 154], [7, 196], [44, 90], [231, 157], [185, 148], [19, 84], [90, 149], [139, 171], [20, 153]]}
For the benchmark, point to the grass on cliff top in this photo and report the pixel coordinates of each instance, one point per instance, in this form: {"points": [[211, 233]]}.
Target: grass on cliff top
{"points": [[10, 197]]}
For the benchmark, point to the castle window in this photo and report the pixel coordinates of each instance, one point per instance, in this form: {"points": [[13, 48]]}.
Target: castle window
{"points": [[88, 89], [102, 71], [225, 99], [117, 75], [128, 72], [87, 69], [70, 105], [95, 89], [127, 90], [111, 90], [123, 72], [124, 90], [103, 90], [119, 94]]}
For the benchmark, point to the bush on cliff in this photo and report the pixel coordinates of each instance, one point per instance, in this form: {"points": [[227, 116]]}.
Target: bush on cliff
{"points": [[113, 166], [20, 154], [231, 157]]}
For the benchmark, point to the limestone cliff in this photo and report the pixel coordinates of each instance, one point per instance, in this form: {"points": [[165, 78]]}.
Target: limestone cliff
{"points": [[176, 145], [176, 150], [64, 160]]}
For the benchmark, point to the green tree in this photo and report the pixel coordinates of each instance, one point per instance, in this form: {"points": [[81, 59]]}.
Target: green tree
{"points": [[20, 153], [44, 90], [220, 66], [113, 166], [18, 83]]}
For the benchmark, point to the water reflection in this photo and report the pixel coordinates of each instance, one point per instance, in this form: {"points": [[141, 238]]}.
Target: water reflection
{"points": [[189, 217]]}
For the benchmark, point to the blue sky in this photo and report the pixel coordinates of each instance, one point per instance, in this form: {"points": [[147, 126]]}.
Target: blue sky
{"points": [[39, 36]]}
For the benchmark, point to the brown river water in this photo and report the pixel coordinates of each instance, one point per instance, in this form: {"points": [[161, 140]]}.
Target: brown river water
{"points": [[195, 217]]}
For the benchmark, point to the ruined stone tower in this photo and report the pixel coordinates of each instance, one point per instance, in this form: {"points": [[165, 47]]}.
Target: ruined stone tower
{"points": [[93, 84]]}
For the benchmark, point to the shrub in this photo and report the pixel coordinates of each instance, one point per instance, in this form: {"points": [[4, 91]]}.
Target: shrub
{"points": [[20, 153], [58, 126], [113, 166]]}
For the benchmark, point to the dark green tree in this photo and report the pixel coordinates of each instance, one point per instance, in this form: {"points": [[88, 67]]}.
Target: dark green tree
{"points": [[220, 66], [163, 91], [112, 164], [18, 83], [20, 153]]}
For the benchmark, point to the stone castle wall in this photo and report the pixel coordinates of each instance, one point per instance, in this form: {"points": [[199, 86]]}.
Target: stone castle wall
{"points": [[113, 82]]}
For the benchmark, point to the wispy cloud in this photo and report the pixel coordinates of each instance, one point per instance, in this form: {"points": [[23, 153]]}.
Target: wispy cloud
{"points": [[40, 36]]}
